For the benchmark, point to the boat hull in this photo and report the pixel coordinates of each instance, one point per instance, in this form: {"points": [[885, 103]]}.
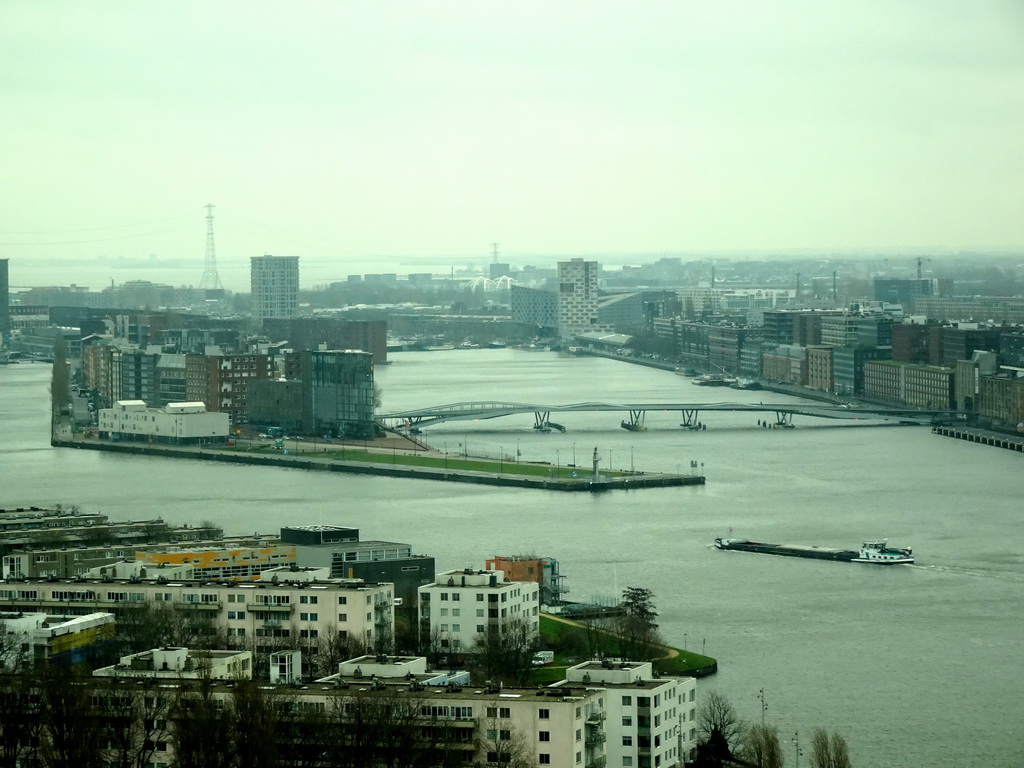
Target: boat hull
{"points": [[787, 550], [871, 553]]}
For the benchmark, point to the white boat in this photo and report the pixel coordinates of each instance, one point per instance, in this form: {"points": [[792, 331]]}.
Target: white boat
{"points": [[880, 553]]}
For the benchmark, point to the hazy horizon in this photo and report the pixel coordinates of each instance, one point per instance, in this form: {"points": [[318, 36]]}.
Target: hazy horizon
{"points": [[368, 136]]}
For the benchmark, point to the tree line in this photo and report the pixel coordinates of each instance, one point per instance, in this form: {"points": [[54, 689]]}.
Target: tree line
{"points": [[726, 741]]}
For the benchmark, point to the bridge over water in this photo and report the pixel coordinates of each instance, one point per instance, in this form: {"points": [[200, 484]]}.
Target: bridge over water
{"points": [[635, 412]]}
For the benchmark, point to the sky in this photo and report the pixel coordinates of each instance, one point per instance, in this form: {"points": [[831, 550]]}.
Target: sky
{"points": [[409, 136]]}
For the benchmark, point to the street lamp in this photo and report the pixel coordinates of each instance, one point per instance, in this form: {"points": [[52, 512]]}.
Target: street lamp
{"points": [[518, 454], [558, 463], [446, 455], [764, 707], [574, 454], [501, 459]]}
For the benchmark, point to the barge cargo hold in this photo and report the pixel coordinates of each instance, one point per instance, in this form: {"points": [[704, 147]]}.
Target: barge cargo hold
{"points": [[789, 550], [873, 552]]}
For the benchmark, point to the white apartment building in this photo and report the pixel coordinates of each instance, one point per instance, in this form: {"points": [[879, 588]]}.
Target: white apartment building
{"points": [[274, 282], [265, 613], [651, 720], [461, 607], [562, 728], [577, 298], [182, 663], [174, 423]]}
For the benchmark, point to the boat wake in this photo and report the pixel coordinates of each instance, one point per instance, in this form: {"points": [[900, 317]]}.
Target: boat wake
{"points": [[956, 570]]}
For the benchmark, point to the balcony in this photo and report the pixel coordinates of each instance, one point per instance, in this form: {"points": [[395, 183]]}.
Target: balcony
{"points": [[597, 761], [285, 608]]}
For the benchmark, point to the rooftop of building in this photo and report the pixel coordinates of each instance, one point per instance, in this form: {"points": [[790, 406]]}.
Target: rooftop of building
{"points": [[81, 582]]}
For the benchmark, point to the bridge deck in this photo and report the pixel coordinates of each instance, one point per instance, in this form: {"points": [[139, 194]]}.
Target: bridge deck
{"points": [[497, 409]]}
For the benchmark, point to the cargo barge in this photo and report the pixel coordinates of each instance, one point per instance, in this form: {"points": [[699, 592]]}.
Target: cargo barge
{"points": [[873, 552]]}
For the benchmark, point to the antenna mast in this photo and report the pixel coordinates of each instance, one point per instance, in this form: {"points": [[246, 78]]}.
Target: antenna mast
{"points": [[211, 280]]}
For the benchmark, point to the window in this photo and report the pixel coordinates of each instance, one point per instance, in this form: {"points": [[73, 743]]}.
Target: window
{"points": [[627, 701], [479, 597], [480, 628], [544, 759], [627, 761], [544, 714], [236, 614], [456, 597], [342, 600], [342, 617], [444, 597], [544, 736], [492, 711], [627, 741], [579, 734], [309, 617], [505, 713], [480, 613]]}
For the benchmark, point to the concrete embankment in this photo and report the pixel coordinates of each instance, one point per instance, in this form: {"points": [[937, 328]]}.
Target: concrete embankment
{"points": [[985, 437], [325, 464]]}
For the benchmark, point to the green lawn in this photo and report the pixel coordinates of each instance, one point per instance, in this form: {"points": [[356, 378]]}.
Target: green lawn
{"points": [[430, 460], [558, 636]]}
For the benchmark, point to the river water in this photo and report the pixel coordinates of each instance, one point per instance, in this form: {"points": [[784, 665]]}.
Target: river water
{"points": [[916, 665]]}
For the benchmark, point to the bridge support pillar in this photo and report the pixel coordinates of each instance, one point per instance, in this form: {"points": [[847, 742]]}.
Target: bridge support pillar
{"points": [[541, 421], [690, 420]]}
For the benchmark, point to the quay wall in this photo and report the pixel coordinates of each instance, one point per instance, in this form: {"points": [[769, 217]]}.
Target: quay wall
{"points": [[1009, 442], [632, 482]]}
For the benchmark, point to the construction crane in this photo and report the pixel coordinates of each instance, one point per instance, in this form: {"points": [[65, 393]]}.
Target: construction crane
{"points": [[920, 261]]}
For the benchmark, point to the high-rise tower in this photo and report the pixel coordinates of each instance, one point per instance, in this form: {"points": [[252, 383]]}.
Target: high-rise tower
{"points": [[275, 286], [5, 301], [211, 280], [577, 297]]}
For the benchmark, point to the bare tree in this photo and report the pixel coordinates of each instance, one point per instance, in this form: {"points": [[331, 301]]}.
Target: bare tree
{"points": [[134, 720], [13, 649], [507, 654], [70, 734], [720, 729], [829, 751], [20, 720], [501, 744], [762, 748]]}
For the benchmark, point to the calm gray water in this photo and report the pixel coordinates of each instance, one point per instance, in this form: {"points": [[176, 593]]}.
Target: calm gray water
{"points": [[915, 666]]}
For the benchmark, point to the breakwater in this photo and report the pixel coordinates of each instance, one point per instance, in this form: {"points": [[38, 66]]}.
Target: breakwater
{"points": [[996, 439], [585, 484]]}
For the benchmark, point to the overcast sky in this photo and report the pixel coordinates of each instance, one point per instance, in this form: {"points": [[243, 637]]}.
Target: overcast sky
{"points": [[378, 135]]}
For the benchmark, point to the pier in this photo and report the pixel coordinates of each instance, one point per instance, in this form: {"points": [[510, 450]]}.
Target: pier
{"points": [[985, 437], [422, 467]]}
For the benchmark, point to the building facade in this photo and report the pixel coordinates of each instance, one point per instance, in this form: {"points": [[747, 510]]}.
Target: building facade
{"points": [[178, 423], [466, 606], [578, 297], [274, 285], [265, 613]]}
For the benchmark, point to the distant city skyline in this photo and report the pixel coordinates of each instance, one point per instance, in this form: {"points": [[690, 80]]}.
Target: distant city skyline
{"points": [[354, 135]]}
